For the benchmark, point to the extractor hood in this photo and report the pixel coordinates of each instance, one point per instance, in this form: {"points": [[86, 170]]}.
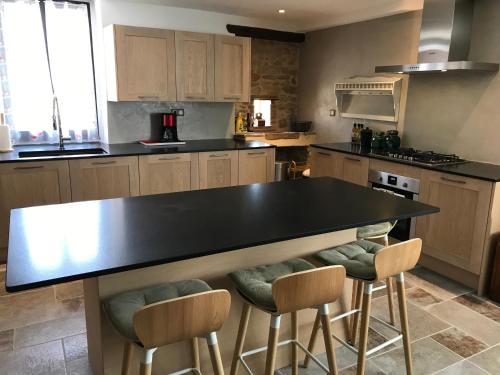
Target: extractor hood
{"points": [[444, 40]]}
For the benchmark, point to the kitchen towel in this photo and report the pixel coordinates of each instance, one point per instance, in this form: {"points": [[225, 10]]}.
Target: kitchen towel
{"points": [[5, 143]]}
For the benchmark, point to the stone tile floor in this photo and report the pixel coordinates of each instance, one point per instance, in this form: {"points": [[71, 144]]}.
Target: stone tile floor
{"points": [[453, 332]]}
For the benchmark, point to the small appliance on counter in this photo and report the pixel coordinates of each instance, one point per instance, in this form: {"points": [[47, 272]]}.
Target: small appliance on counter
{"points": [[164, 130]]}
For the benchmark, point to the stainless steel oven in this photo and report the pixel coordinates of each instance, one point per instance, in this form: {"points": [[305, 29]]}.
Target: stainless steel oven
{"points": [[400, 186]]}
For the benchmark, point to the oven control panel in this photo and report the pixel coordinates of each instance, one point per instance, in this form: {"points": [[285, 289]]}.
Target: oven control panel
{"points": [[393, 180]]}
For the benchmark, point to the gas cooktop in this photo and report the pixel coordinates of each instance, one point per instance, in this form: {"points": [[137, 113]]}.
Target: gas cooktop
{"points": [[413, 156]]}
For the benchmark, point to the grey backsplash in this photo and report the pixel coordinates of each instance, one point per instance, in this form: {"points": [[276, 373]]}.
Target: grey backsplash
{"points": [[130, 121]]}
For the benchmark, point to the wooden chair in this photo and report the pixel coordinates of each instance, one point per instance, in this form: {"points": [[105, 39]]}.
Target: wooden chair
{"points": [[313, 288], [390, 261]]}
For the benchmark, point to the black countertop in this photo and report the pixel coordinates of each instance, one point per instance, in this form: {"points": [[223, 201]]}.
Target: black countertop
{"points": [[59, 243], [474, 169], [133, 149]]}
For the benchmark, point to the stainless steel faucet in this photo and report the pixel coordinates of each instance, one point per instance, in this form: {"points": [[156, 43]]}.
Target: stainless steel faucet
{"points": [[56, 122]]}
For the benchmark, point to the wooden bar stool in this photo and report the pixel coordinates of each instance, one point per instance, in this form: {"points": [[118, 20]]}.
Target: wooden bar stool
{"points": [[373, 232], [167, 313], [282, 288], [368, 263]]}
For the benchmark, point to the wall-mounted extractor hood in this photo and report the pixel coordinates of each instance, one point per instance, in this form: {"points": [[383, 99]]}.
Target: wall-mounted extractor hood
{"points": [[444, 40]]}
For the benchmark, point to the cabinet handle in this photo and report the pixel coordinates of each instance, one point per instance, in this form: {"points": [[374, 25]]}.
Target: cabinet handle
{"points": [[149, 97], [352, 159], [452, 180], [217, 155], [195, 97], [257, 153], [30, 167], [172, 158], [232, 97], [324, 153], [104, 162]]}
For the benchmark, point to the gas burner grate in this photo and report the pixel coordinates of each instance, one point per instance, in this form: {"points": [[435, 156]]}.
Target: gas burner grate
{"points": [[422, 157]]}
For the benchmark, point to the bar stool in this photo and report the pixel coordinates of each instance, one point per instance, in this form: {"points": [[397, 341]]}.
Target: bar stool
{"points": [[372, 232], [167, 313], [282, 288], [367, 263]]}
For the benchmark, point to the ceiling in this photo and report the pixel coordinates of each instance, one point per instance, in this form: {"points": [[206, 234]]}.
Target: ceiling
{"points": [[301, 15]]}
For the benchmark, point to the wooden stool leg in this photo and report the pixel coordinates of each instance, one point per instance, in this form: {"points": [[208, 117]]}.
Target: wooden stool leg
{"points": [[213, 349], [312, 340], [295, 336], [272, 344], [350, 321], [127, 357], [327, 335], [403, 313], [196, 353], [147, 361], [240, 340], [390, 300], [355, 317], [365, 321]]}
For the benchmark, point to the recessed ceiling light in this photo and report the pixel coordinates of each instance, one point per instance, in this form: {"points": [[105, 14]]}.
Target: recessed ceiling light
{"points": [[281, 11]]}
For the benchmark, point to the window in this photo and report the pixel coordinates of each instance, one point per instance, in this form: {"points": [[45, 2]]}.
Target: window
{"points": [[24, 70], [262, 107]]}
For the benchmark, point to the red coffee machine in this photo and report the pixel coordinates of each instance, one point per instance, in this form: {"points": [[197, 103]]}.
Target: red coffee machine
{"points": [[169, 127]]}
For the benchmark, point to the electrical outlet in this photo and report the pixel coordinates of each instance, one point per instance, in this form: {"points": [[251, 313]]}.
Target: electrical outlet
{"points": [[178, 112], [333, 112]]}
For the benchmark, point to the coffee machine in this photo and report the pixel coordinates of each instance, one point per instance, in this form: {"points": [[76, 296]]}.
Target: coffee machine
{"points": [[168, 129]]}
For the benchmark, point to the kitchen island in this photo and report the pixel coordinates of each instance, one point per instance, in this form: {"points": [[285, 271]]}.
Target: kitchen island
{"points": [[127, 243]]}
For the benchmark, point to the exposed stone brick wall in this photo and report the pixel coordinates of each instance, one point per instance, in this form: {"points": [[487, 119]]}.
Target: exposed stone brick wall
{"points": [[275, 68]]}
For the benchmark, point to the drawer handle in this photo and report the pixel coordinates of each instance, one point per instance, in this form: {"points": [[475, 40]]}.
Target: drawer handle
{"points": [[353, 159], [104, 162], [452, 180], [232, 97], [324, 153], [30, 167], [172, 158], [149, 97], [218, 155], [195, 97], [257, 153]]}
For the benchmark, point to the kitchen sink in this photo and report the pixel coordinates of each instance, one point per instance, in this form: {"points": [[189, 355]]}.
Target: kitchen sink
{"points": [[44, 153]]}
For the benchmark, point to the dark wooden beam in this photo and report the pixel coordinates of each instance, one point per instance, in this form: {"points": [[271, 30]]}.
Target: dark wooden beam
{"points": [[259, 33]]}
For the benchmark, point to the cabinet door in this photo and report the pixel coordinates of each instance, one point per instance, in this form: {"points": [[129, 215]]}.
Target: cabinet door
{"points": [[103, 178], [255, 166], [194, 66], [31, 184], [323, 163], [354, 169], [145, 63], [168, 173], [455, 235], [218, 169], [232, 68]]}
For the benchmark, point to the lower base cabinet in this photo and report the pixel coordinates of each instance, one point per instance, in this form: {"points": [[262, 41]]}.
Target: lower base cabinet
{"points": [[168, 173], [350, 168], [104, 178], [256, 166], [218, 169]]}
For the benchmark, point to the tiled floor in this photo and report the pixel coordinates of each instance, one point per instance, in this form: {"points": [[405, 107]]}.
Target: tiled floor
{"points": [[453, 332]]}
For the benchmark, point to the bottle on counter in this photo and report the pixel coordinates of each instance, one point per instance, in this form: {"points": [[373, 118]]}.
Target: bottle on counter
{"points": [[353, 132], [239, 123]]}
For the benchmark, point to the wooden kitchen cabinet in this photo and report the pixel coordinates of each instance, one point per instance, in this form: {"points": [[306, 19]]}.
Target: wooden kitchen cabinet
{"points": [[353, 168], [218, 169], [457, 234], [256, 166], [323, 163], [31, 184], [103, 178], [168, 173], [194, 66], [140, 63], [232, 68]]}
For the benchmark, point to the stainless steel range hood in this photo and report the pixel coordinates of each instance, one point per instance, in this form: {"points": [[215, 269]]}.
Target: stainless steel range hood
{"points": [[444, 40]]}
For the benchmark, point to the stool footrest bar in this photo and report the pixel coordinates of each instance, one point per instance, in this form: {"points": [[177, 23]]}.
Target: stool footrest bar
{"points": [[386, 324], [344, 315], [187, 370], [383, 345]]}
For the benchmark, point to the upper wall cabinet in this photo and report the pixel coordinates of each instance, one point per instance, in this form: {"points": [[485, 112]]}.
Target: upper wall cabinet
{"points": [[140, 64], [194, 66], [232, 68]]}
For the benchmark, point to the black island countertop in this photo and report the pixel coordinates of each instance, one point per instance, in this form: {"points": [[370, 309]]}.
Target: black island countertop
{"points": [[133, 149], [59, 243], [474, 169]]}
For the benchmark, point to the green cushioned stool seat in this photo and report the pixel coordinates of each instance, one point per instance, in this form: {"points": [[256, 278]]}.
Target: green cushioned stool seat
{"points": [[255, 284], [121, 308], [357, 258], [374, 230]]}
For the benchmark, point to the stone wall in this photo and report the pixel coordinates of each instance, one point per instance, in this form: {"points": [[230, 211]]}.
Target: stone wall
{"points": [[275, 70]]}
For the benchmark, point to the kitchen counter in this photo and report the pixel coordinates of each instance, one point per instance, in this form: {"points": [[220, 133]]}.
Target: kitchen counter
{"points": [[94, 238], [133, 149], [482, 171]]}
